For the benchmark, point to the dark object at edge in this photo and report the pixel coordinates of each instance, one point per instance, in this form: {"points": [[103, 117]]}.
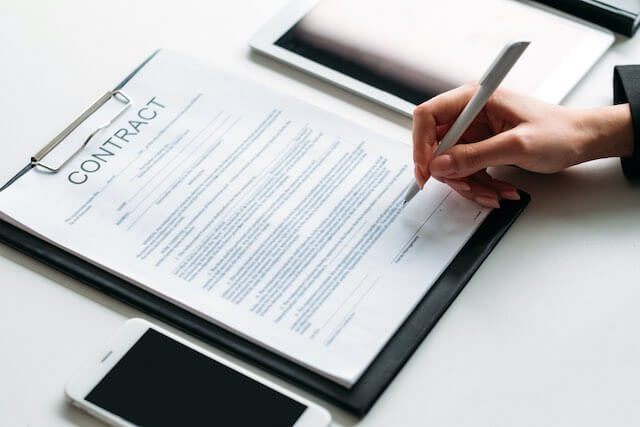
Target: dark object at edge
{"points": [[601, 13]]}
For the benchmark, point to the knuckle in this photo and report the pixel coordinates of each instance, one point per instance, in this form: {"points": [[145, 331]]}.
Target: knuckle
{"points": [[421, 110], [521, 141]]}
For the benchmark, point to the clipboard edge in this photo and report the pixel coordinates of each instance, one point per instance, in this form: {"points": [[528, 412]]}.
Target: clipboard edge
{"points": [[358, 399], [496, 225]]}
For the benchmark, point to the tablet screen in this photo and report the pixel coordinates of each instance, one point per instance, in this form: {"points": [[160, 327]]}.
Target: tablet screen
{"points": [[416, 50], [295, 41]]}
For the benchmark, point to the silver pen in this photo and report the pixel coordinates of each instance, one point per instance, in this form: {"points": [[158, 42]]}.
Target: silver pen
{"points": [[498, 70]]}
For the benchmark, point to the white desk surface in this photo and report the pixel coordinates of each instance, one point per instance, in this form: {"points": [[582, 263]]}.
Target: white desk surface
{"points": [[545, 333]]}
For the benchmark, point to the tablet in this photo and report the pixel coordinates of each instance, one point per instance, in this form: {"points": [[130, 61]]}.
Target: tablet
{"points": [[402, 53]]}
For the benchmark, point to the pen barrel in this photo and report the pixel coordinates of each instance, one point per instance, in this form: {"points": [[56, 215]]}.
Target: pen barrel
{"points": [[469, 113]]}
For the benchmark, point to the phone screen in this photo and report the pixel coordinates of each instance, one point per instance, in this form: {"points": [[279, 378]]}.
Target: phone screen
{"points": [[162, 382]]}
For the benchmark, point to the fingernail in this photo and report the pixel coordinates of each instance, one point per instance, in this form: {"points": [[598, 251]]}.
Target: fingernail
{"points": [[443, 166], [510, 195], [487, 201], [458, 185]]}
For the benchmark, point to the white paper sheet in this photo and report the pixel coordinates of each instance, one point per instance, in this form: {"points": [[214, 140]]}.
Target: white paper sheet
{"points": [[265, 215]]}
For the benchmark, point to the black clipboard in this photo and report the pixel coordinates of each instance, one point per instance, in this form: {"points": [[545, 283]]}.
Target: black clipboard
{"points": [[357, 399]]}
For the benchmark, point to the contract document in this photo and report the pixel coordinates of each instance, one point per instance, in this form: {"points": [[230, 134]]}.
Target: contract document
{"points": [[265, 215]]}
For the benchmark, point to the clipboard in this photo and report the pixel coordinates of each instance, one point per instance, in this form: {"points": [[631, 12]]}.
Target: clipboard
{"points": [[361, 396]]}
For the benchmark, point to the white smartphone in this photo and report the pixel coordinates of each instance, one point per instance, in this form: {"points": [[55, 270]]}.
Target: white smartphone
{"points": [[148, 376]]}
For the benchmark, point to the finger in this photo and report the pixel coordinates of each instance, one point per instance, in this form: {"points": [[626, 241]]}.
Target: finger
{"points": [[504, 189], [482, 193], [420, 178], [488, 201], [458, 184], [466, 159], [439, 110]]}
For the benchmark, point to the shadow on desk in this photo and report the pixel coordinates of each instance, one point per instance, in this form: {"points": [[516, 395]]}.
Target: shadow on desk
{"points": [[587, 193]]}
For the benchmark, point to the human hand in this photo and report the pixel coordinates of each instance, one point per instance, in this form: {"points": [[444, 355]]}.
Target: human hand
{"points": [[512, 129]]}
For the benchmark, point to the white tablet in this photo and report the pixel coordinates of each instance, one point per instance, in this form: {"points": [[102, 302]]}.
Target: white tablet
{"points": [[402, 53]]}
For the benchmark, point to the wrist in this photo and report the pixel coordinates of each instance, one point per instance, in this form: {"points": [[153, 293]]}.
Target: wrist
{"points": [[607, 132]]}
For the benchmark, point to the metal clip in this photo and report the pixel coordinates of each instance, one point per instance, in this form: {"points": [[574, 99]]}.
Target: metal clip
{"points": [[36, 159]]}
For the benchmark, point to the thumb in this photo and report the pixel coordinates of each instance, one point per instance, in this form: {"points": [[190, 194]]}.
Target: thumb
{"points": [[466, 159]]}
